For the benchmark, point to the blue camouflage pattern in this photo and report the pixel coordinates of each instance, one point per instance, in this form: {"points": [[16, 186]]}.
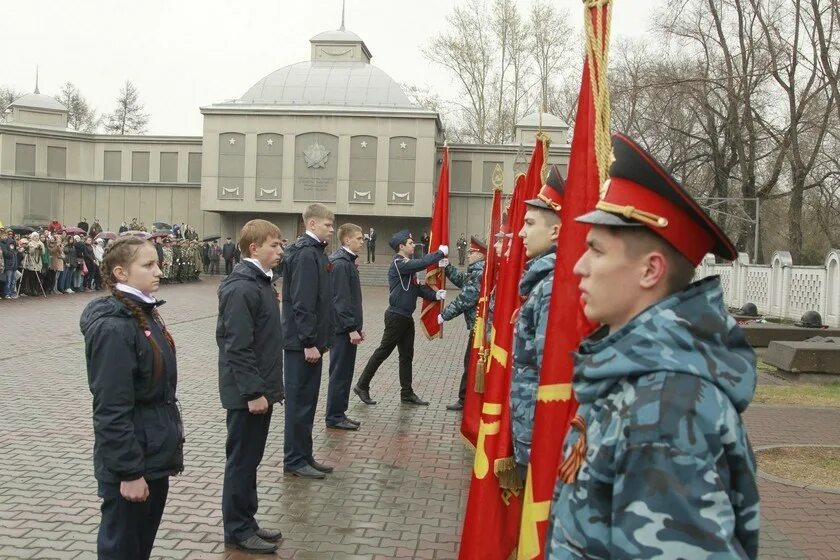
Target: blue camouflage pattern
{"points": [[528, 345], [466, 301], [668, 469]]}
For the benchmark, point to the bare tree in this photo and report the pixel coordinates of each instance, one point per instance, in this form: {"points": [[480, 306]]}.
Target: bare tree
{"points": [[7, 95], [128, 117], [80, 115], [550, 41]]}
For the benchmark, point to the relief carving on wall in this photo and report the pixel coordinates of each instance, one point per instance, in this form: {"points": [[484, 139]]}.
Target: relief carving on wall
{"points": [[228, 191], [405, 197], [272, 192], [316, 156], [365, 195]]}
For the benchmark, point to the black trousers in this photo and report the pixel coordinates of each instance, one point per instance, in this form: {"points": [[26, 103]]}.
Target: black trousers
{"points": [[127, 530], [302, 381], [342, 363], [371, 253], [399, 333], [462, 388], [246, 437], [228, 266]]}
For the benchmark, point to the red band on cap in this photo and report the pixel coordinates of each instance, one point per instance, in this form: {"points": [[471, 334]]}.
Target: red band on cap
{"points": [[686, 235]]}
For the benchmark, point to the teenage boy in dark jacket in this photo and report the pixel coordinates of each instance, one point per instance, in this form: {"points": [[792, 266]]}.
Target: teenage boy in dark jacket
{"points": [[347, 301], [308, 328], [399, 324], [249, 333]]}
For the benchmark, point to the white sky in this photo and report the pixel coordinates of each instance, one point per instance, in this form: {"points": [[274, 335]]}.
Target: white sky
{"points": [[182, 54]]}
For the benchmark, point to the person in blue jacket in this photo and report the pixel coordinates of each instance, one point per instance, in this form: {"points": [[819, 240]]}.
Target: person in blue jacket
{"points": [[399, 323]]}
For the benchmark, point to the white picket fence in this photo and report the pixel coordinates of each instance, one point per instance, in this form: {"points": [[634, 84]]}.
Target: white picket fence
{"points": [[780, 289]]}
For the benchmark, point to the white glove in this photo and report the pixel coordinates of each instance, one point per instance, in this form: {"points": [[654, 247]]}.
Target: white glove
{"points": [[440, 319], [443, 263], [441, 294], [444, 249]]}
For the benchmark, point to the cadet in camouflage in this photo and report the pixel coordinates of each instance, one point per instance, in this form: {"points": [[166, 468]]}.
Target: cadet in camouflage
{"points": [[657, 463], [539, 235], [465, 303]]}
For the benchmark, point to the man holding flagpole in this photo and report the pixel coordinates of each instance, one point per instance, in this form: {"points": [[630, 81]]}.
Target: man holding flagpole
{"points": [[399, 321]]}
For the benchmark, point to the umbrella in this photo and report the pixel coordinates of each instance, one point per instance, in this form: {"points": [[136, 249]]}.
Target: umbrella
{"points": [[161, 226], [74, 231], [135, 233], [160, 234], [21, 230], [109, 235], [212, 238]]}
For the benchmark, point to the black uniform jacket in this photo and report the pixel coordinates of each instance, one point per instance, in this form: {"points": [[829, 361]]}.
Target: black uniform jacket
{"points": [[249, 333], [402, 281], [307, 296], [347, 292], [136, 420]]}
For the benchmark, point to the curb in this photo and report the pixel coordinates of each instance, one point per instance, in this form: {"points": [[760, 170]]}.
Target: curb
{"points": [[795, 483]]}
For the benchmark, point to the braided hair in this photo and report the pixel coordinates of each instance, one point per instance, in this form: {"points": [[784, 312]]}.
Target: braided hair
{"points": [[122, 252]]}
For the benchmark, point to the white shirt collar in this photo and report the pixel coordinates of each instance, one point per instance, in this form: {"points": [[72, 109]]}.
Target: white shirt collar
{"points": [[349, 251], [259, 265], [313, 236], [135, 292]]}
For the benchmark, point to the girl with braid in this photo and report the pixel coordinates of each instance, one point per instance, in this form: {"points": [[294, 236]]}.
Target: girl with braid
{"points": [[132, 374]]}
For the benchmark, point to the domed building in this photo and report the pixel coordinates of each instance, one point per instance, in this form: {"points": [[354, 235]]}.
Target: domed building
{"points": [[333, 129]]}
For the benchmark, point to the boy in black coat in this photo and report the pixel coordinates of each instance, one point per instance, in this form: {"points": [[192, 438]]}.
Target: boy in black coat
{"points": [[399, 323], [347, 299], [308, 330], [248, 333]]}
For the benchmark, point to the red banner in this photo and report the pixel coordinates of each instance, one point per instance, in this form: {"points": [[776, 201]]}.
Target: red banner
{"points": [[567, 325], [480, 338], [439, 235], [491, 522]]}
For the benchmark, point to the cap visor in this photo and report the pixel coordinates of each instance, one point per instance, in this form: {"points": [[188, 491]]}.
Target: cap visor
{"points": [[537, 203], [601, 218]]}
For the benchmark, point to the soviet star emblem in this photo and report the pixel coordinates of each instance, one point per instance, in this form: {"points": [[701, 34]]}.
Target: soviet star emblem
{"points": [[316, 156]]}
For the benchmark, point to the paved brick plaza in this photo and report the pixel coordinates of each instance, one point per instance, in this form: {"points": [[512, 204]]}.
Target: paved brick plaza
{"points": [[400, 482]]}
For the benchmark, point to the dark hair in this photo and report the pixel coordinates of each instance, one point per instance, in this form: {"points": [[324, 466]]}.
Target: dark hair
{"points": [[123, 252], [638, 241]]}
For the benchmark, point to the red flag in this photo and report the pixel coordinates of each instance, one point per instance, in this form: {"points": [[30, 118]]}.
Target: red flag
{"points": [[491, 522], [567, 325], [478, 354], [435, 278]]}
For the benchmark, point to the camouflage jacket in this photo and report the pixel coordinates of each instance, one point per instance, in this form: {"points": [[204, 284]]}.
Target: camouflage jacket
{"points": [[528, 350], [669, 471], [466, 301]]}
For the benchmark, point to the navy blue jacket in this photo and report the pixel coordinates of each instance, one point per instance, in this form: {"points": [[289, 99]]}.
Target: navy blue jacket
{"points": [[9, 254], [347, 292], [248, 334], [136, 421], [307, 296], [402, 280]]}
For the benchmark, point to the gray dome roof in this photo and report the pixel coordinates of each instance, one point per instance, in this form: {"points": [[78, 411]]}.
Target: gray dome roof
{"points": [[339, 35], [341, 84], [38, 101]]}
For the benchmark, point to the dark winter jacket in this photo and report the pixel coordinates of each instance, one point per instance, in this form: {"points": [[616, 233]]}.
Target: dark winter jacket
{"points": [[70, 259], [249, 335], [402, 280], [159, 251], [307, 296], [136, 420], [347, 292], [10, 254], [228, 249]]}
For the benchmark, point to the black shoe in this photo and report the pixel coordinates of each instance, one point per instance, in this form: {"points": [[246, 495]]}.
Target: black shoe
{"points": [[353, 421], [457, 405], [320, 467], [254, 545], [269, 535], [364, 395], [305, 471], [343, 425], [414, 399]]}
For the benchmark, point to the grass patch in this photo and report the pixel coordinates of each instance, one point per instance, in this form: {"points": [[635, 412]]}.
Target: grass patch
{"points": [[812, 465], [799, 394]]}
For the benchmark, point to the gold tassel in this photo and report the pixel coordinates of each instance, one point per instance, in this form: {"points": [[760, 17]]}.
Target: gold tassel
{"points": [[479, 373], [505, 470], [571, 466]]}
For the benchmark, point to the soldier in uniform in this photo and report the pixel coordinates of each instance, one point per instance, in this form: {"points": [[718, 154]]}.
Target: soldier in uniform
{"points": [[657, 462], [465, 303], [168, 261], [539, 235], [399, 324]]}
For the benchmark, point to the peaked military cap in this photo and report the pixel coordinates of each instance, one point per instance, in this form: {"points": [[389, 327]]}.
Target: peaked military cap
{"points": [[399, 238], [478, 245], [641, 193], [551, 194]]}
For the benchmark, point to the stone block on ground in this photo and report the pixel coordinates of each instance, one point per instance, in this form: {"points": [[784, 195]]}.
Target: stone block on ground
{"points": [[760, 335], [815, 360]]}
